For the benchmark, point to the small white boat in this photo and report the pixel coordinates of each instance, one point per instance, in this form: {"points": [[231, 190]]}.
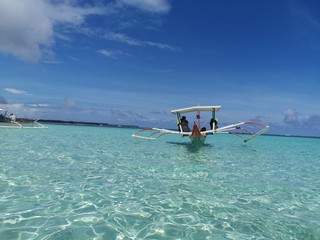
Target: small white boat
{"points": [[11, 122], [199, 134]]}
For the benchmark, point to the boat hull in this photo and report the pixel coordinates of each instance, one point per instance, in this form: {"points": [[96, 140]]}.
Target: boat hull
{"points": [[196, 137]]}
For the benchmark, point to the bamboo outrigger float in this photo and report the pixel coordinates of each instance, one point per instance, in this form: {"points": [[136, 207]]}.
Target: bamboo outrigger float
{"points": [[199, 134]]}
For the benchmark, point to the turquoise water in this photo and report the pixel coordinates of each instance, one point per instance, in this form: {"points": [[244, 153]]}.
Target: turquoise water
{"points": [[75, 182]]}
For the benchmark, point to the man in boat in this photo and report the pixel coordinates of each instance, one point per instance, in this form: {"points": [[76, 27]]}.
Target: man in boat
{"points": [[184, 124], [203, 131], [214, 121], [12, 117]]}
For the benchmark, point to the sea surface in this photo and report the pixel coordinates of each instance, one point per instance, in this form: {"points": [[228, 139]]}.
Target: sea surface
{"points": [[79, 182]]}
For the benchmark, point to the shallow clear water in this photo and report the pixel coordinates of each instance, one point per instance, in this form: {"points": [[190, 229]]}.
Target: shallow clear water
{"points": [[76, 182]]}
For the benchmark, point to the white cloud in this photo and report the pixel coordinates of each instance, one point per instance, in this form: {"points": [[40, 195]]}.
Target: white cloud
{"points": [[156, 6], [27, 27], [21, 110], [312, 121], [23, 28], [15, 91], [291, 116]]}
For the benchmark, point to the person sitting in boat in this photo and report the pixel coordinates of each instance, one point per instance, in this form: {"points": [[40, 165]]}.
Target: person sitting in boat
{"points": [[215, 122], [203, 131], [12, 117], [184, 124]]}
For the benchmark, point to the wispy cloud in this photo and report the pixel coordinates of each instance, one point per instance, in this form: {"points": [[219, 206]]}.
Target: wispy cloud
{"points": [[113, 53], [304, 16], [119, 37], [16, 91], [30, 29], [156, 6], [39, 105]]}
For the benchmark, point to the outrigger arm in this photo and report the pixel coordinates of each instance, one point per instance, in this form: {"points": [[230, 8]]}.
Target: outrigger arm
{"points": [[236, 129]]}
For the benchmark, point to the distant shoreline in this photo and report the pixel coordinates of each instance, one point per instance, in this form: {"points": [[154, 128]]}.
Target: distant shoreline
{"points": [[287, 135], [77, 123], [95, 124]]}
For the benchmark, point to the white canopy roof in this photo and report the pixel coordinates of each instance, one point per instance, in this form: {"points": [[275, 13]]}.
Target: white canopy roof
{"points": [[196, 109]]}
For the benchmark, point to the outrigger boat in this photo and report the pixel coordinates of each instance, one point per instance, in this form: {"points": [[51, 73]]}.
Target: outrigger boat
{"points": [[199, 134], [6, 122]]}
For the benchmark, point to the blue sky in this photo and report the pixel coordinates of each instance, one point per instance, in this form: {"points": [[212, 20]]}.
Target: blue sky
{"points": [[132, 61]]}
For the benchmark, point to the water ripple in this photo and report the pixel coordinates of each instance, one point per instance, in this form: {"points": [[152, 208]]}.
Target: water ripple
{"points": [[70, 182]]}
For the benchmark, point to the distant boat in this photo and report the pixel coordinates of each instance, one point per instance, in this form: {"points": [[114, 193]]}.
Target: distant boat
{"points": [[11, 122], [199, 134]]}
